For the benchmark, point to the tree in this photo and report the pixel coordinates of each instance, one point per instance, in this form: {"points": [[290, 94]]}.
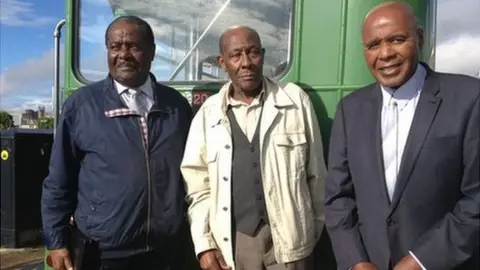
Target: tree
{"points": [[6, 120], [45, 122]]}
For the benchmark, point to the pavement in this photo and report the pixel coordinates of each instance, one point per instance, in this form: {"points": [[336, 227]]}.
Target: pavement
{"points": [[22, 258], [34, 266]]}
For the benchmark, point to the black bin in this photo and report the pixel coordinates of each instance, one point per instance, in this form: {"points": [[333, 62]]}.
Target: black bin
{"points": [[25, 155]]}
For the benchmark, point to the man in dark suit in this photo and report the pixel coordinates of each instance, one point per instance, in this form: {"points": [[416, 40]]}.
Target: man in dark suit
{"points": [[403, 189]]}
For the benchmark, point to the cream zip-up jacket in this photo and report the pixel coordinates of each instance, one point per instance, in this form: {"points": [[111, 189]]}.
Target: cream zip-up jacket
{"points": [[292, 165]]}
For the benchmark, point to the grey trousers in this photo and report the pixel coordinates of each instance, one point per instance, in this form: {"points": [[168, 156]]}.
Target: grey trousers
{"points": [[256, 253]]}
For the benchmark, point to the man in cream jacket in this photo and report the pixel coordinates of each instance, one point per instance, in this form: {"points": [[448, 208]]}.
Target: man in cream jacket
{"points": [[254, 168]]}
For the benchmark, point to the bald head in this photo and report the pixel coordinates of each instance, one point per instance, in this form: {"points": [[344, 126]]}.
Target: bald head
{"points": [[387, 9], [236, 30]]}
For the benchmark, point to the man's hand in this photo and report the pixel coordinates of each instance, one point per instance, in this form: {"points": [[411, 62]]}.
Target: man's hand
{"points": [[407, 263], [213, 260], [59, 259], [364, 266]]}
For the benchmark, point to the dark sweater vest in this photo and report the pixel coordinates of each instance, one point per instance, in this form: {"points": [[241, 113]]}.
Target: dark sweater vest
{"points": [[247, 191]]}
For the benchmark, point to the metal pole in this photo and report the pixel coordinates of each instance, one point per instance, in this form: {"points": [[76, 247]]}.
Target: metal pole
{"points": [[433, 22], [197, 52], [191, 41], [200, 38], [56, 72]]}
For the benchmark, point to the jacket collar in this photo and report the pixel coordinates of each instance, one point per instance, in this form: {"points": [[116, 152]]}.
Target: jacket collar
{"points": [[273, 94], [146, 88], [114, 106], [275, 97]]}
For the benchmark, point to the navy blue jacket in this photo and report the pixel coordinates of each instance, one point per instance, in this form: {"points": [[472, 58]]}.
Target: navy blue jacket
{"points": [[124, 188]]}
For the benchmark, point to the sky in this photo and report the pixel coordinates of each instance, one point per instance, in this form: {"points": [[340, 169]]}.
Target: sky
{"points": [[26, 41]]}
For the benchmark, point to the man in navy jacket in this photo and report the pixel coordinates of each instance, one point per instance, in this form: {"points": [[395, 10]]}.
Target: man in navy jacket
{"points": [[115, 164]]}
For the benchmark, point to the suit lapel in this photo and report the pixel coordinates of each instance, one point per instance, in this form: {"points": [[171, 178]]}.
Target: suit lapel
{"points": [[373, 112], [425, 112]]}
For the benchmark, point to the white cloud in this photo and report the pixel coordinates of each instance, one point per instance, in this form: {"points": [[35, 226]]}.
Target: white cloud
{"points": [[19, 91], [458, 36], [456, 18], [459, 55], [21, 13], [18, 104], [29, 84], [38, 70]]}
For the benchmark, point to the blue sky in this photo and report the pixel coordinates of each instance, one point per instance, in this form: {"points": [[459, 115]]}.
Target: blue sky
{"points": [[26, 44], [26, 29], [26, 40]]}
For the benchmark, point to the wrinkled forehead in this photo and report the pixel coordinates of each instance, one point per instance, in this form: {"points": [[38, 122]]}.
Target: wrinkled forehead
{"points": [[381, 24], [241, 38], [123, 30]]}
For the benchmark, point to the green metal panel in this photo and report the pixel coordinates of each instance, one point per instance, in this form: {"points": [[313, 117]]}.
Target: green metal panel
{"points": [[327, 55], [329, 61]]}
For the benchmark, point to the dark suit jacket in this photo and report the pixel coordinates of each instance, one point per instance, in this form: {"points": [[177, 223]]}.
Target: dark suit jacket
{"points": [[435, 209]]}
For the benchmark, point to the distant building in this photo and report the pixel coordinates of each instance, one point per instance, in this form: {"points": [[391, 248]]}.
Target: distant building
{"points": [[17, 119], [41, 111], [29, 118]]}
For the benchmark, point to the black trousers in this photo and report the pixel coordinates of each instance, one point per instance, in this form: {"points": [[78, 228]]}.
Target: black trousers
{"points": [[146, 261], [87, 256]]}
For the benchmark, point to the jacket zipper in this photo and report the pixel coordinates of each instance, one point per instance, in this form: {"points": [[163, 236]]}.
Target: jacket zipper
{"points": [[147, 158]]}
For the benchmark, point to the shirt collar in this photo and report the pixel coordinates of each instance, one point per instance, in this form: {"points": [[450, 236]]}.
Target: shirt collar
{"points": [[146, 88], [235, 103], [408, 90]]}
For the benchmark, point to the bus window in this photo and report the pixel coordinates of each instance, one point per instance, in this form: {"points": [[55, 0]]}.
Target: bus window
{"points": [[430, 32], [187, 34]]}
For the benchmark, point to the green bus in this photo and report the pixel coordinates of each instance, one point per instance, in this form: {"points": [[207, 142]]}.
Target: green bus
{"points": [[314, 43]]}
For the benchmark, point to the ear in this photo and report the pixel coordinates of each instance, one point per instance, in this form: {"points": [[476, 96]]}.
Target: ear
{"points": [[420, 38], [262, 51], [154, 48], [221, 62]]}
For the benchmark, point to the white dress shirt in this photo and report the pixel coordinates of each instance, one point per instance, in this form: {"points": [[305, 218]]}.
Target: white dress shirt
{"points": [[406, 99], [147, 94]]}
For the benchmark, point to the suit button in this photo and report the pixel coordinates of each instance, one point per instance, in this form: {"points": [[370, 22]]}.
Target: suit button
{"points": [[225, 208], [227, 146], [225, 178], [390, 222], [225, 239]]}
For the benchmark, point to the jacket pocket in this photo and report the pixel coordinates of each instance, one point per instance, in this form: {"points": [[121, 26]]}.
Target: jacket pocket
{"points": [[291, 150]]}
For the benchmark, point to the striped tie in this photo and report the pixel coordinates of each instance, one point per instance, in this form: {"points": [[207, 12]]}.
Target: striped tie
{"points": [[391, 159], [136, 100]]}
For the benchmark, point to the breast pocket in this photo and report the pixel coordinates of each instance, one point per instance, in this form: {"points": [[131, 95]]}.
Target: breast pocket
{"points": [[291, 150]]}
